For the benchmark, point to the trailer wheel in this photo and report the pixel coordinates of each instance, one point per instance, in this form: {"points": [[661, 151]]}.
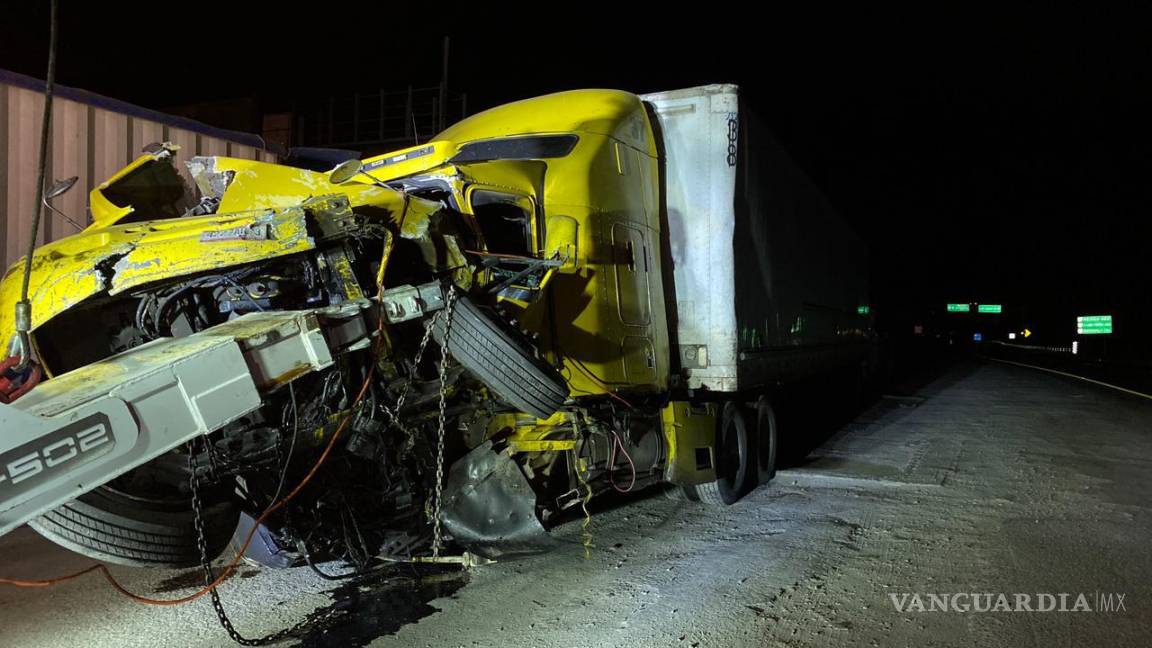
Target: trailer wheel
{"points": [[733, 461], [765, 440], [114, 527], [506, 364]]}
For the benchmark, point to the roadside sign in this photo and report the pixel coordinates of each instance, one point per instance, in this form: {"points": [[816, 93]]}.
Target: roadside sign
{"points": [[989, 308], [863, 310], [976, 337], [959, 308], [1027, 333], [918, 329], [1011, 336], [1094, 324]]}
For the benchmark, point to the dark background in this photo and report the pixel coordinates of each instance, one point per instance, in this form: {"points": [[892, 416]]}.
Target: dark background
{"points": [[997, 160]]}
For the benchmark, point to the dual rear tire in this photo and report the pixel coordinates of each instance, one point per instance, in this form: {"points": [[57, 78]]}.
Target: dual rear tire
{"points": [[745, 451]]}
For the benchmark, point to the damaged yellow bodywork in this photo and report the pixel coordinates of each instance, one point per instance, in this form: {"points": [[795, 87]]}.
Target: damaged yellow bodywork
{"points": [[527, 240], [592, 207], [603, 315], [262, 215]]}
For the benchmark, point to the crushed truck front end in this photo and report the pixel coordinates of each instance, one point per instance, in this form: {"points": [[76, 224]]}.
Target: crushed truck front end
{"points": [[220, 334]]}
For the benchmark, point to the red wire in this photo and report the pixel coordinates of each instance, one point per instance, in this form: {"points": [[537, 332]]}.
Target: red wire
{"points": [[617, 443], [231, 567], [239, 554]]}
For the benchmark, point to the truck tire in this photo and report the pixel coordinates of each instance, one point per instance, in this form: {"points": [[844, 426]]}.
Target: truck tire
{"points": [[765, 417], [507, 365], [733, 461], [111, 527]]}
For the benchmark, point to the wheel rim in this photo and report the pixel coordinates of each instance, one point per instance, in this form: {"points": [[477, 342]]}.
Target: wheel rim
{"points": [[147, 487]]}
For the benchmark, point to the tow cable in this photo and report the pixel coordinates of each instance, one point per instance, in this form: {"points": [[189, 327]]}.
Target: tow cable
{"points": [[23, 315]]}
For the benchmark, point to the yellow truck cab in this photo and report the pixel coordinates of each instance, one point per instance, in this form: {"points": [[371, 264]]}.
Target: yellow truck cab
{"points": [[573, 175], [615, 286]]}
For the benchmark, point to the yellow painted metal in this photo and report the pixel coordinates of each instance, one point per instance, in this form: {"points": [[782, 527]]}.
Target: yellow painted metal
{"points": [[174, 248], [104, 211], [111, 257], [611, 113], [409, 161], [689, 428], [525, 433], [262, 185], [603, 316], [348, 280], [604, 319], [553, 445]]}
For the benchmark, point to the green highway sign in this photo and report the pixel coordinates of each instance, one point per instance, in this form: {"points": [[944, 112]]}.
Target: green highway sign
{"points": [[1094, 324], [989, 308], [959, 308], [863, 310]]}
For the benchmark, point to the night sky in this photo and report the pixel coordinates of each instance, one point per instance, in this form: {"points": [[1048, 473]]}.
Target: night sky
{"points": [[997, 164]]}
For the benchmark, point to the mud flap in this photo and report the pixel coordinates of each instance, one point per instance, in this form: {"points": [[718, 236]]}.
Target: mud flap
{"points": [[490, 508]]}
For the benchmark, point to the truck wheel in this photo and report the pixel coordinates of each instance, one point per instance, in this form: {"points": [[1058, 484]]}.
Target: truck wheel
{"points": [[114, 527], [505, 364], [765, 440], [733, 461]]}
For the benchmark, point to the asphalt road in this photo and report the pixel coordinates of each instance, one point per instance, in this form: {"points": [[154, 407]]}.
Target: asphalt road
{"points": [[993, 480]]}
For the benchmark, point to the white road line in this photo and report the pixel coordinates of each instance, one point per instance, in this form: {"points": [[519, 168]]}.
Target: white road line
{"points": [[1062, 373]]}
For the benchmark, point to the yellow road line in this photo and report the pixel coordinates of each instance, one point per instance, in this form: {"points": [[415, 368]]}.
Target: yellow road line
{"points": [[1062, 373]]}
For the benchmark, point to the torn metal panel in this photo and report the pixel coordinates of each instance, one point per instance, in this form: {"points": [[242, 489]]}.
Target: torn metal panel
{"points": [[63, 275], [490, 508], [107, 212], [212, 183], [71, 270], [175, 248], [262, 215]]}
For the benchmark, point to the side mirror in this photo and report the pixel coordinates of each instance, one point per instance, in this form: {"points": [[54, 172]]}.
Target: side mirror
{"points": [[562, 240], [345, 171], [60, 187]]}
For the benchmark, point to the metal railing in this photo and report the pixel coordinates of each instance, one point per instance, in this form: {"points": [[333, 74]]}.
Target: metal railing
{"points": [[384, 117]]}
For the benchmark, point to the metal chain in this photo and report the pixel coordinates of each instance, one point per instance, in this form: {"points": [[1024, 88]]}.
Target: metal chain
{"points": [[437, 534], [205, 564], [393, 414]]}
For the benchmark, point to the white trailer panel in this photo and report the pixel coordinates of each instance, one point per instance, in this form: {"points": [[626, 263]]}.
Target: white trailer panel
{"points": [[769, 283]]}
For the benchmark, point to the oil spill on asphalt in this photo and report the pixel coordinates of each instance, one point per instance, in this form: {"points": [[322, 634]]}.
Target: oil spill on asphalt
{"points": [[364, 610]]}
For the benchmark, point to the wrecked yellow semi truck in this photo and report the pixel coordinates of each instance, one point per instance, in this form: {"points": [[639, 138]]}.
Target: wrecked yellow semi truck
{"points": [[582, 292]]}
